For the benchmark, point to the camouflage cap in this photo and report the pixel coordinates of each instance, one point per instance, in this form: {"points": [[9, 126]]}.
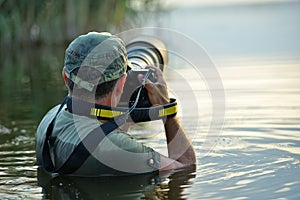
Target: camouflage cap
{"points": [[101, 51]]}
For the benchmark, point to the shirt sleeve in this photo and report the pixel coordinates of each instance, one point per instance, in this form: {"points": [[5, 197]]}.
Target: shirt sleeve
{"points": [[124, 153]]}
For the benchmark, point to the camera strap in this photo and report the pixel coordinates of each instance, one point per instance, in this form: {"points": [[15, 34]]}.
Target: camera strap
{"points": [[102, 112]]}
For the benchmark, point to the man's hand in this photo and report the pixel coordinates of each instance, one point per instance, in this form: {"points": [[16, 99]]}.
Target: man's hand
{"points": [[157, 92]]}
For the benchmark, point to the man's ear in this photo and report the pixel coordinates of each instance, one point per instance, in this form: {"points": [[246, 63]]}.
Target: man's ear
{"points": [[63, 73], [121, 83]]}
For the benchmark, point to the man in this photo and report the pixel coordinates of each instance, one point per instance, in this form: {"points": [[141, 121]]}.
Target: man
{"points": [[95, 72]]}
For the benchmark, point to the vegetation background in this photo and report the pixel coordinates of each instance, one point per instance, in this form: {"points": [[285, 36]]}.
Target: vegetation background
{"points": [[33, 38]]}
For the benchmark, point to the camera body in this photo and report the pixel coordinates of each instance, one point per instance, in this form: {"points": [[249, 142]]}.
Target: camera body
{"points": [[141, 52], [132, 86]]}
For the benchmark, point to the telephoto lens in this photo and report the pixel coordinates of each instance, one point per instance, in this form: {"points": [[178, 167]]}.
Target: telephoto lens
{"points": [[144, 51]]}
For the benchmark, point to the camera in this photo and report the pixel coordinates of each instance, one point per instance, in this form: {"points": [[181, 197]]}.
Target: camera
{"points": [[141, 52]]}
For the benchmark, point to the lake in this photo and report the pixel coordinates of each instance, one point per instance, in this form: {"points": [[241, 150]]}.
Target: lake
{"points": [[256, 153]]}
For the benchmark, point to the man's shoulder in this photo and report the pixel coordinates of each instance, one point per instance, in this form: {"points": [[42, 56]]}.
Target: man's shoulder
{"points": [[41, 131], [47, 119]]}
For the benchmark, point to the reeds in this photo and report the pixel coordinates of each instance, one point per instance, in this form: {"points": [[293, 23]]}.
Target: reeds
{"points": [[58, 21]]}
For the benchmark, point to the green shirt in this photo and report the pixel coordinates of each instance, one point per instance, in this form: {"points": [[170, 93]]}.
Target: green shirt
{"points": [[118, 153]]}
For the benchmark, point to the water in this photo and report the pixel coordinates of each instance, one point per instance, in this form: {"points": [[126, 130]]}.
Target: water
{"points": [[257, 155]]}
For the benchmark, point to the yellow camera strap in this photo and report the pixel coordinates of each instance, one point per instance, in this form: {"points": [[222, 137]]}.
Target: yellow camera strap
{"points": [[102, 112]]}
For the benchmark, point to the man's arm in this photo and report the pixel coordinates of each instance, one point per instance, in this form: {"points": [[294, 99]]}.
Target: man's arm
{"points": [[180, 148]]}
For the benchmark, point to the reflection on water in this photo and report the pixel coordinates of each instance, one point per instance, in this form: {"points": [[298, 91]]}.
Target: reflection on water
{"points": [[30, 82], [170, 186]]}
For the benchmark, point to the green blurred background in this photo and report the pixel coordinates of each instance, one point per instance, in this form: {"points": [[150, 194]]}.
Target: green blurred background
{"points": [[33, 38]]}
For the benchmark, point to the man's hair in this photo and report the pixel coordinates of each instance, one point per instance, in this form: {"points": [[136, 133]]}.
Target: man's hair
{"points": [[90, 75]]}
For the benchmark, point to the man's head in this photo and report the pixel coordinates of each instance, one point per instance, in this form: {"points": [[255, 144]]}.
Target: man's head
{"points": [[94, 64]]}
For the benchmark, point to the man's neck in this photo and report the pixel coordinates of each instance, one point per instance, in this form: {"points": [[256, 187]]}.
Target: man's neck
{"points": [[106, 101]]}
